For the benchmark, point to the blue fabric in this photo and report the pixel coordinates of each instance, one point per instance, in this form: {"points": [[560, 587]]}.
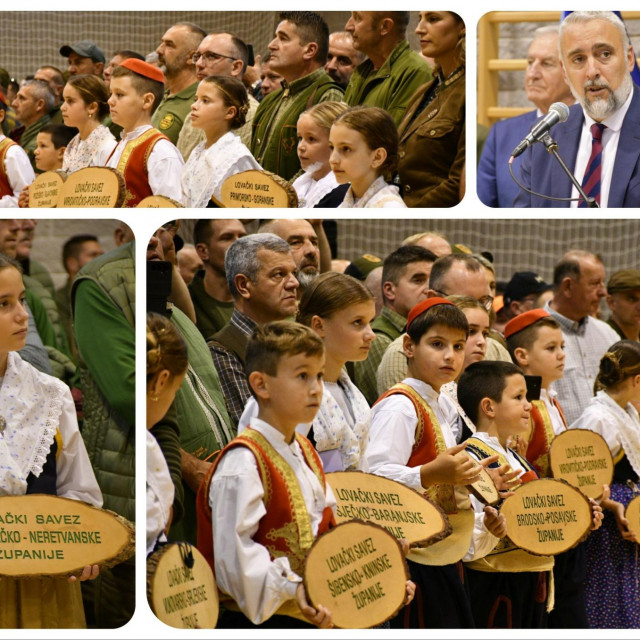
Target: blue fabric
{"points": [[496, 187], [541, 172]]}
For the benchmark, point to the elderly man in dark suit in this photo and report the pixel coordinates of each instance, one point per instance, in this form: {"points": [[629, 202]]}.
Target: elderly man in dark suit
{"points": [[600, 141], [544, 84]]}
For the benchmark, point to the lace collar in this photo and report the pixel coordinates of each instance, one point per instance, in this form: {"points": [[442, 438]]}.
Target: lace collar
{"points": [[31, 405]]}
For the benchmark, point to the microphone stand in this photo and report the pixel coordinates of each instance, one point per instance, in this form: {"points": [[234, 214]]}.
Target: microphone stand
{"points": [[552, 147]]}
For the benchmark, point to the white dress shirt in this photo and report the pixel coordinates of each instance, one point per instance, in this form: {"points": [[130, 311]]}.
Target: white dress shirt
{"points": [[585, 342], [610, 139], [393, 430], [548, 396], [164, 165], [243, 567], [19, 173]]}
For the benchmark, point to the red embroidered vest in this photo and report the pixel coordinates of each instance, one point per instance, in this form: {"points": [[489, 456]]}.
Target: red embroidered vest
{"points": [[285, 529], [428, 443], [5, 187], [133, 166], [541, 436]]}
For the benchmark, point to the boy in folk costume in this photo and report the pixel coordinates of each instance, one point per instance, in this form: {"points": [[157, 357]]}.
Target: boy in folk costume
{"points": [[411, 441], [149, 162], [266, 499], [510, 588], [536, 344], [16, 171]]}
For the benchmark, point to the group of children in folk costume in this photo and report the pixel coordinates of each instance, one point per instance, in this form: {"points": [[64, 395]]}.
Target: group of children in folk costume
{"points": [[356, 147], [410, 440]]}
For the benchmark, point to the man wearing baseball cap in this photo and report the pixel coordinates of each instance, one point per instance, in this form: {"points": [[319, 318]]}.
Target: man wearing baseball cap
{"points": [[84, 57], [521, 293], [623, 299]]}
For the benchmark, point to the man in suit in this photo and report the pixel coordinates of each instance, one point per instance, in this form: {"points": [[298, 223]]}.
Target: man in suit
{"points": [[600, 141], [544, 85]]}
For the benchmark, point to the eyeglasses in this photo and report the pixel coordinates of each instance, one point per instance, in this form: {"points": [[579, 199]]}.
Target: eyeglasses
{"points": [[209, 56], [485, 301]]}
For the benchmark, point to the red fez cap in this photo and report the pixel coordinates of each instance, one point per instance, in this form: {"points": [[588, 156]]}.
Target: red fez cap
{"points": [[524, 320], [144, 69], [421, 307]]}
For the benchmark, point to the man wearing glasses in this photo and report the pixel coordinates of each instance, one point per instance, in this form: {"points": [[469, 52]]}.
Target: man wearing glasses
{"points": [[219, 54], [175, 53]]}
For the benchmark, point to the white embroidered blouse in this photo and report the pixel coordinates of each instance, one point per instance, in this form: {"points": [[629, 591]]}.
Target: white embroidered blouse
{"points": [[82, 153], [207, 169], [35, 406]]}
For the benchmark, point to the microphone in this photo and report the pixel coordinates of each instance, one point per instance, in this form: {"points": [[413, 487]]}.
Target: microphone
{"points": [[558, 112]]}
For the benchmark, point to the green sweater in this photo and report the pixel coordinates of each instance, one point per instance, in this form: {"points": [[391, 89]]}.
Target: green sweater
{"points": [[392, 85]]}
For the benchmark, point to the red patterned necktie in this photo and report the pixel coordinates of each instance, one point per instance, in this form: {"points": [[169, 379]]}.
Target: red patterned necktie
{"points": [[593, 173]]}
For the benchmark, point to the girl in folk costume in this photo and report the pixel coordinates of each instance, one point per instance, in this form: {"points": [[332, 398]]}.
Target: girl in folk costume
{"points": [[41, 451], [313, 150], [364, 148], [612, 584], [221, 106], [166, 367], [339, 309], [85, 107]]}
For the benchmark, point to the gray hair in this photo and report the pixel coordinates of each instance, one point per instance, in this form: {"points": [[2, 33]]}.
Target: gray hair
{"points": [[580, 17], [241, 256], [443, 265], [548, 30], [42, 91]]}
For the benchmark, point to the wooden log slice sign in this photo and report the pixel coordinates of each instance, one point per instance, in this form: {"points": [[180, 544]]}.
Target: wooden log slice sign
{"points": [[45, 189], [583, 459], [43, 535], [485, 489], [358, 572], [403, 512], [158, 202], [632, 514], [547, 516], [181, 589], [253, 188], [93, 187]]}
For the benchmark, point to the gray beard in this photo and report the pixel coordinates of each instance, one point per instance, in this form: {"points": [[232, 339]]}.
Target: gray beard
{"points": [[600, 109], [305, 279]]}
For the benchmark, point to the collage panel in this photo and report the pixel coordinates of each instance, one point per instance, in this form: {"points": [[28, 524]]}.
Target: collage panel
{"points": [[438, 359], [67, 415], [234, 109], [578, 97]]}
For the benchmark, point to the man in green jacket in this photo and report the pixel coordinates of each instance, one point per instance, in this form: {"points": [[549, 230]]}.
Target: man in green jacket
{"points": [[298, 53], [393, 72], [405, 282]]}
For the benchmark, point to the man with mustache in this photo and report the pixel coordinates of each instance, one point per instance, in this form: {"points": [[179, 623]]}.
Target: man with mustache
{"points": [[599, 141], [309, 246], [262, 278]]}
